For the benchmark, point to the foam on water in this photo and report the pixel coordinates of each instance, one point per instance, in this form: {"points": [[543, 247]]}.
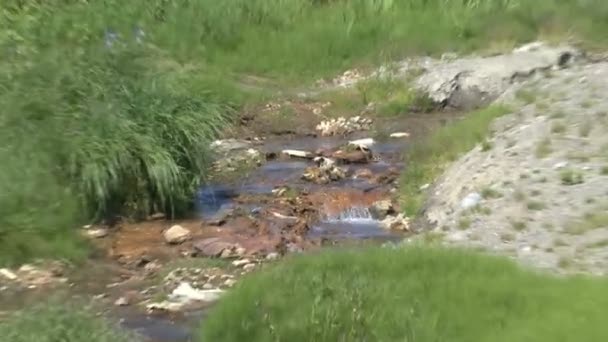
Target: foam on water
{"points": [[351, 215]]}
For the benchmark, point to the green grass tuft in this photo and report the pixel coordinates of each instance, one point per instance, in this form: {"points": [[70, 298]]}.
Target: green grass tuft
{"points": [[409, 294]]}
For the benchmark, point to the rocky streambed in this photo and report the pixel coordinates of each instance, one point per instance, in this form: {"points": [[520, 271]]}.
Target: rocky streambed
{"points": [[281, 184]]}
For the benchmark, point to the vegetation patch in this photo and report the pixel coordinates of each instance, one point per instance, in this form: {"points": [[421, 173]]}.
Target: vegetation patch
{"points": [[427, 160], [55, 321], [413, 293]]}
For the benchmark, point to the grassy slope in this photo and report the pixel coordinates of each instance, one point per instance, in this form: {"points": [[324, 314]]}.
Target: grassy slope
{"points": [[414, 294], [126, 128]]}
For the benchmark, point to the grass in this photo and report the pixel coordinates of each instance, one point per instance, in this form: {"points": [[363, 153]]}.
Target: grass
{"points": [[585, 128], [604, 170], [571, 177], [56, 321], [120, 99], [427, 159], [408, 294], [528, 96]]}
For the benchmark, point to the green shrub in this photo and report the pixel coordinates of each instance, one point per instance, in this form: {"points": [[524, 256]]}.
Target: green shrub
{"points": [[411, 294]]}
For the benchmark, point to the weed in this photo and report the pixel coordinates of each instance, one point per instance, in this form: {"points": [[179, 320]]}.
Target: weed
{"points": [[590, 221], [535, 205], [488, 193], [464, 223], [571, 177], [558, 127], [604, 170], [543, 148], [558, 114], [564, 262], [559, 243], [585, 128], [507, 237], [528, 96], [486, 146], [518, 225], [599, 244], [535, 192], [519, 196]]}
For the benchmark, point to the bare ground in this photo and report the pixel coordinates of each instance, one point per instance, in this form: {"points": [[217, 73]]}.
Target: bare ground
{"points": [[542, 179]]}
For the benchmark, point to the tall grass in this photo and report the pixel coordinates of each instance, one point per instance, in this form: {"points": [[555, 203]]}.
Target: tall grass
{"points": [[122, 97], [54, 321], [420, 294]]}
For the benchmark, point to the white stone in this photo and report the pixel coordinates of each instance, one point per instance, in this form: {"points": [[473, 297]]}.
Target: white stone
{"points": [[186, 293], [166, 306], [399, 135], [470, 201], [272, 256], [96, 233], [8, 274], [176, 234], [239, 263], [249, 267], [298, 154], [366, 143]]}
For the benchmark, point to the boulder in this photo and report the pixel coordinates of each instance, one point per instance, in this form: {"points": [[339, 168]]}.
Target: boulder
{"points": [[177, 234]]}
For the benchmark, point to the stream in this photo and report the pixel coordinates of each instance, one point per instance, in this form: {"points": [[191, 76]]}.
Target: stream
{"points": [[338, 212]]}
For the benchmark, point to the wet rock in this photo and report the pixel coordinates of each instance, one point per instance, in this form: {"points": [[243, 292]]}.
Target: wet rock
{"points": [[122, 301], [381, 209], [363, 174], [214, 247], [8, 274], [228, 145], [96, 233], [363, 143], [166, 306], [341, 126], [470, 201], [398, 222], [177, 234], [185, 293], [353, 157], [298, 154], [326, 175], [399, 135]]}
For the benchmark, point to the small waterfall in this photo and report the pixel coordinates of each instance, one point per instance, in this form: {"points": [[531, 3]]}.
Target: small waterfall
{"points": [[351, 215]]}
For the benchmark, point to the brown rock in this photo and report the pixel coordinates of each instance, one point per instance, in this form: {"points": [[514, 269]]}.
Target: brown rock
{"points": [[213, 247], [353, 157], [176, 234]]}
